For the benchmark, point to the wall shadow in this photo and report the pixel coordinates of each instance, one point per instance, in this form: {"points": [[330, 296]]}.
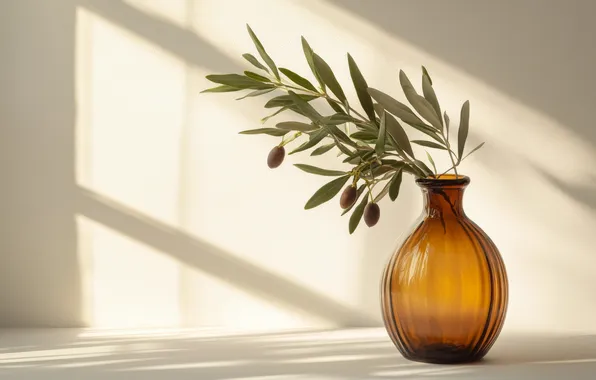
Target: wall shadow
{"points": [[39, 276], [538, 51], [215, 261]]}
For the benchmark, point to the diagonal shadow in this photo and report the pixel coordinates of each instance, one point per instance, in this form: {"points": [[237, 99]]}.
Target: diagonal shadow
{"points": [[174, 39], [215, 261]]}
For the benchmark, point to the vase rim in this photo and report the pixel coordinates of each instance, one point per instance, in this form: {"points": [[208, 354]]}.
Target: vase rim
{"points": [[444, 180]]}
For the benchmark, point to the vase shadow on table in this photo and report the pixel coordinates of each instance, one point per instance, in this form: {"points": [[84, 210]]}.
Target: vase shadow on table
{"points": [[312, 355]]}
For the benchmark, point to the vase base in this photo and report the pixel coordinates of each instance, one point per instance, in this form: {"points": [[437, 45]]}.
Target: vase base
{"points": [[443, 354]]}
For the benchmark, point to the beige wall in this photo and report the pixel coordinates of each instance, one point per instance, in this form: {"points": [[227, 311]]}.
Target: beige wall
{"points": [[129, 200]]}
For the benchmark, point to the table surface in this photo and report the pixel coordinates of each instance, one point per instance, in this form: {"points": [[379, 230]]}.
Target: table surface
{"points": [[337, 354]]}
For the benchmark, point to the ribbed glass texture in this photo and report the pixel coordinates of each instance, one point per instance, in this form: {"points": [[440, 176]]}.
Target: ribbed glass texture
{"points": [[444, 291]]}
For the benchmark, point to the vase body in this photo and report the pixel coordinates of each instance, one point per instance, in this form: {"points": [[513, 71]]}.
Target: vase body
{"points": [[444, 291]]}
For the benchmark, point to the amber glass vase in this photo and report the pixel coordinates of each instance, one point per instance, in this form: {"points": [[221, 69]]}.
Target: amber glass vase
{"points": [[444, 290]]}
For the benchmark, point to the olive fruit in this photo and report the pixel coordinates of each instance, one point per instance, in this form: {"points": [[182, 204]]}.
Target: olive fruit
{"points": [[348, 197], [372, 213], [276, 157]]}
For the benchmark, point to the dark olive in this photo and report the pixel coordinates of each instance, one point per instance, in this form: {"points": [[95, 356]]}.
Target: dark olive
{"points": [[348, 197], [276, 157], [372, 213]]}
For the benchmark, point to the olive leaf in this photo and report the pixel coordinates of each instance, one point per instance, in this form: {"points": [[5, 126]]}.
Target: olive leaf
{"points": [[428, 144], [361, 89], [426, 74], [382, 193], [447, 121], [336, 107], [342, 147], [327, 192], [358, 194], [357, 215], [314, 140], [395, 130], [308, 53], [322, 149], [286, 100], [256, 93], [430, 95], [319, 171], [282, 109], [303, 106], [395, 185], [254, 61], [432, 162], [341, 136], [268, 131], [256, 76], [464, 124], [299, 80], [328, 77], [238, 81], [296, 126], [380, 145], [262, 52], [421, 165], [365, 136], [421, 105], [222, 88], [473, 150], [395, 107]]}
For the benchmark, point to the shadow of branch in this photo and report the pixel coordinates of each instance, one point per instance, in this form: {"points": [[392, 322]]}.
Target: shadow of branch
{"points": [[215, 261]]}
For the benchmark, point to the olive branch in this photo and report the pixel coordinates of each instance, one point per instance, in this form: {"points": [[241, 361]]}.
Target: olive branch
{"points": [[379, 150]]}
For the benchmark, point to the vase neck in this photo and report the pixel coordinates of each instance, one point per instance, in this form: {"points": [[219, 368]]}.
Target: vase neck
{"points": [[443, 202], [444, 197]]}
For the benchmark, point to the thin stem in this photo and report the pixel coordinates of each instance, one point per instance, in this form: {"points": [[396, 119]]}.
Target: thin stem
{"points": [[451, 154], [294, 137]]}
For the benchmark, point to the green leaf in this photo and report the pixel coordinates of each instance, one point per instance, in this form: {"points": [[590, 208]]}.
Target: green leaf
{"points": [[429, 94], [238, 81], [286, 100], [422, 166], [336, 119], [336, 107], [361, 89], [358, 194], [328, 77], [383, 192], [264, 120], [429, 144], [319, 171], [421, 105], [222, 88], [255, 62], [327, 192], [395, 185], [341, 147], [364, 136], [395, 107], [426, 74], [256, 93], [473, 150], [357, 215], [299, 80], [267, 131], [256, 76], [306, 108], [308, 53], [447, 123], [296, 126], [314, 140], [262, 52], [427, 130], [396, 131], [432, 162], [464, 124], [322, 150], [380, 145]]}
